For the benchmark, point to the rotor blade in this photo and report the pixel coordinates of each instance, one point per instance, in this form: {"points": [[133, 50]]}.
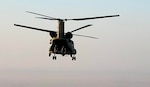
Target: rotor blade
{"points": [[40, 14], [79, 19], [33, 28], [48, 18], [85, 36], [81, 27]]}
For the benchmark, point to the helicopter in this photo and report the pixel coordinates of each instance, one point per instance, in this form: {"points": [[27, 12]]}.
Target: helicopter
{"points": [[60, 41]]}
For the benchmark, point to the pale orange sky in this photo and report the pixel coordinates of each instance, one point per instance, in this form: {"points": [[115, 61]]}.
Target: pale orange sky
{"points": [[119, 58]]}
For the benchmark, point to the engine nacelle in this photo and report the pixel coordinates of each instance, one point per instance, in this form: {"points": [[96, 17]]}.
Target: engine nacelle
{"points": [[68, 35], [53, 34]]}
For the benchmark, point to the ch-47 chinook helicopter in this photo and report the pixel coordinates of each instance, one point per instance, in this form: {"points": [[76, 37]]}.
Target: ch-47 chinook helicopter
{"points": [[61, 42]]}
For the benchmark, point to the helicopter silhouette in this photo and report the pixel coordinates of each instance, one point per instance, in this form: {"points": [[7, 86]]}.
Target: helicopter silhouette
{"points": [[61, 42]]}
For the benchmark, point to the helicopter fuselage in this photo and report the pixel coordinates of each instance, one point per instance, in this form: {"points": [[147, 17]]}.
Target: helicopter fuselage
{"points": [[61, 42], [62, 46]]}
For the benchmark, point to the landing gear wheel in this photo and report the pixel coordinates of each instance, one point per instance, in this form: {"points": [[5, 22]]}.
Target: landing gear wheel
{"points": [[73, 58], [49, 54], [70, 55], [54, 57]]}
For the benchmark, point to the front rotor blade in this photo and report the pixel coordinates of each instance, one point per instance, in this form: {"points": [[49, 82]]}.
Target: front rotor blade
{"points": [[89, 18], [81, 28], [33, 28], [85, 36]]}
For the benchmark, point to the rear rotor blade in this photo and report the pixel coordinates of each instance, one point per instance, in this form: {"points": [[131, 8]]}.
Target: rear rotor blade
{"points": [[41, 15], [48, 18], [33, 28], [85, 36], [89, 18], [81, 28]]}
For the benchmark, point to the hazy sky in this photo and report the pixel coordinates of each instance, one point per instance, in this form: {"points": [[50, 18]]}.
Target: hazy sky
{"points": [[119, 58]]}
